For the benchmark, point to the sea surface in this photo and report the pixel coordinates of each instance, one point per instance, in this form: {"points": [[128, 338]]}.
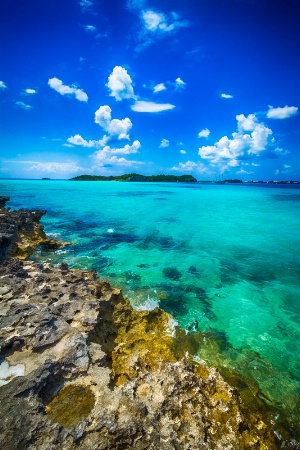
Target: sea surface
{"points": [[222, 259]]}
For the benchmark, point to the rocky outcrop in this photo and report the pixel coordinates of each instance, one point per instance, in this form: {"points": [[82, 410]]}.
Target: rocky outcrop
{"points": [[21, 232], [80, 369]]}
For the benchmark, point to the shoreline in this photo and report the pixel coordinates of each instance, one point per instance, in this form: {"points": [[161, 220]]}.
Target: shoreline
{"points": [[98, 336]]}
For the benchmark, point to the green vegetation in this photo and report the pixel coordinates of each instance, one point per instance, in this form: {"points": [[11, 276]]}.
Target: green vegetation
{"points": [[137, 177]]}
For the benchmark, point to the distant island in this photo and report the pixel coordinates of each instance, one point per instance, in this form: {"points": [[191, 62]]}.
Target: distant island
{"points": [[172, 178], [138, 177]]}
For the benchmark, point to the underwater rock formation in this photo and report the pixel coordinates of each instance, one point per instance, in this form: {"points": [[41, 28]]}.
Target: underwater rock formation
{"points": [[80, 369]]}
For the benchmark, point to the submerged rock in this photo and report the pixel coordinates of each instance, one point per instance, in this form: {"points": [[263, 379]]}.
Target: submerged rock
{"points": [[95, 374]]}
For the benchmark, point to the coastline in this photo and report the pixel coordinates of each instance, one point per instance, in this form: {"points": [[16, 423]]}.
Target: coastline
{"points": [[115, 355]]}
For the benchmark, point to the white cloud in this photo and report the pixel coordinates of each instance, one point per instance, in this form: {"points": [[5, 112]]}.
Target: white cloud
{"points": [[159, 87], [255, 165], [108, 155], [243, 171], [287, 166], [280, 151], [63, 89], [151, 107], [164, 143], [226, 96], [30, 91], [90, 28], [54, 167], [135, 4], [204, 133], [3, 85], [120, 84], [86, 4], [183, 152], [179, 83], [114, 127], [78, 140], [190, 166], [24, 106], [252, 138], [281, 113], [158, 22]]}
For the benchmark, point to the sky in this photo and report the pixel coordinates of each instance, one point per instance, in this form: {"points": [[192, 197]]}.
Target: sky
{"points": [[106, 87]]}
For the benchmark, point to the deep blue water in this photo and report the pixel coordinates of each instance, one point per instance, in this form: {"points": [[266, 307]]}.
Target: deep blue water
{"points": [[223, 259]]}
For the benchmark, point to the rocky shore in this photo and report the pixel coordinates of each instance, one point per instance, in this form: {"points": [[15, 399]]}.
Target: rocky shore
{"points": [[80, 369]]}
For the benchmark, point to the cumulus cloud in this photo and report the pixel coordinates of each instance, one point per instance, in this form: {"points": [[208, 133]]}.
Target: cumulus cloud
{"points": [[204, 133], [63, 89], [226, 96], [183, 152], [109, 155], [151, 107], [164, 143], [24, 106], [3, 85], [159, 87], [30, 91], [179, 83], [251, 138], [281, 113], [78, 140], [114, 127], [120, 84]]}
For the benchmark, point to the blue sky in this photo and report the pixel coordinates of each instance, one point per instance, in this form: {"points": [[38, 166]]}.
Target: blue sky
{"points": [[205, 87]]}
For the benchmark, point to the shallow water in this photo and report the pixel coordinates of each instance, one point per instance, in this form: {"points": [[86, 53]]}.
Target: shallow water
{"points": [[223, 259]]}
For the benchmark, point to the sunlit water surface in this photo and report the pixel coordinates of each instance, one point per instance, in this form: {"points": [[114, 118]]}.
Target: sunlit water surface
{"points": [[222, 259]]}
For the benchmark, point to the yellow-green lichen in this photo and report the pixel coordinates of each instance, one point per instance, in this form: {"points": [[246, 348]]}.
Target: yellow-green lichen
{"points": [[72, 403]]}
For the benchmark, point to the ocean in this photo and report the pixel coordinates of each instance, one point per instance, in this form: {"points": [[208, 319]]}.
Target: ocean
{"points": [[224, 260]]}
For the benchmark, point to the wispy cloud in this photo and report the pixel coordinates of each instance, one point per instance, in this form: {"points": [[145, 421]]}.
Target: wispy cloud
{"points": [[158, 22], [24, 106], [90, 28], [151, 107], [86, 5], [190, 166], [183, 152], [281, 113], [159, 87], [164, 143], [63, 89], [204, 133], [226, 95], [120, 84], [155, 24], [179, 84], [2, 85]]}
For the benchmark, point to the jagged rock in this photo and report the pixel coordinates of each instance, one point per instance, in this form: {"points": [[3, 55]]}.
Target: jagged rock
{"points": [[21, 232], [82, 370]]}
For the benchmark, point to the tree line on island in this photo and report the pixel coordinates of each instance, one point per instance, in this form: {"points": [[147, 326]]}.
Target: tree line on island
{"points": [[137, 177]]}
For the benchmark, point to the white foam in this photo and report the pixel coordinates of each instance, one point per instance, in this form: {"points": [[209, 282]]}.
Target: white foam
{"points": [[110, 230], [148, 305], [8, 373]]}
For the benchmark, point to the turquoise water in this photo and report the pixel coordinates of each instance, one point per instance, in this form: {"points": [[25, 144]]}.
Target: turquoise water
{"points": [[223, 259]]}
